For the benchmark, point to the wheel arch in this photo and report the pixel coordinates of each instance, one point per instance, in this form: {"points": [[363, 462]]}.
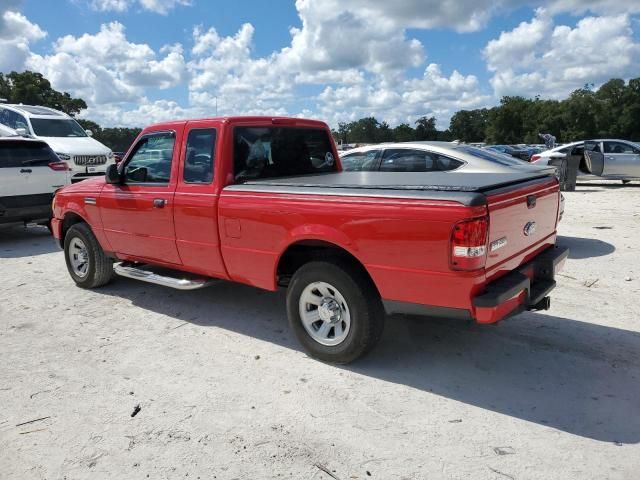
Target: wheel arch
{"points": [[303, 251], [69, 220]]}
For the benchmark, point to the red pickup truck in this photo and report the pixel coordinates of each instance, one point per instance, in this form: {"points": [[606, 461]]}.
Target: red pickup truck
{"points": [[263, 201]]}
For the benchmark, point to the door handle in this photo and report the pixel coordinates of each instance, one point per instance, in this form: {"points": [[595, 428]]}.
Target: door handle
{"points": [[159, 202], [25, 170]]}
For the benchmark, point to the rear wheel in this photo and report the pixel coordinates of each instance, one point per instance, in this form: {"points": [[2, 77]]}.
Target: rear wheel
{"points": [[335, 311], [86, 262]]}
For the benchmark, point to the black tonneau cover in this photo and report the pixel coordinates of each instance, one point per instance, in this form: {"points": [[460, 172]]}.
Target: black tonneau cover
{"points": [[466, 188], [420, 181]]}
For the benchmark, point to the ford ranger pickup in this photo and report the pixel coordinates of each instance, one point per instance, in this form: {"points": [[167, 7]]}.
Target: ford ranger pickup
{"points": [[263, 201]]}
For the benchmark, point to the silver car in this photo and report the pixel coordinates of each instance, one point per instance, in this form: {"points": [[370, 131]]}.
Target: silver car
{"points": [[610, 159], [434, 157], [431, 157]]}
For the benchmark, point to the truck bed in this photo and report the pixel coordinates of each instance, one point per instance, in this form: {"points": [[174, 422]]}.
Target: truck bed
{"points": [[466, 188]]}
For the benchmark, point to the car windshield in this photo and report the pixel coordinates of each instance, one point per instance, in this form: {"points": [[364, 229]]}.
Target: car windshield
{"points": [[491, 155], [45, 127]]}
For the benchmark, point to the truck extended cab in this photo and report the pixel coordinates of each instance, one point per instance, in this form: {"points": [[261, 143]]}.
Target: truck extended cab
{"points": [[263, 201]]}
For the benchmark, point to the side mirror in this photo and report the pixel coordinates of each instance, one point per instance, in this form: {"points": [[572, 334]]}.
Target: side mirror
{"points": [[22, 132], [89, 133], [112, 175]]}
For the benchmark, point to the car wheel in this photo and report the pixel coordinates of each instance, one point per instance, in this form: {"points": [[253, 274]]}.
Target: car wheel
{"points": [[335, 311], [87, 263]]}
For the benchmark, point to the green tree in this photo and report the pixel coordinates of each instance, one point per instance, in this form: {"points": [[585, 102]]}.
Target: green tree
{"points": [[469, 125], [580, 112], [118, 139], [32, 88], [507, 121], [90, 125], [385, 133], [426, 128], [364, 130], [404, 133]]}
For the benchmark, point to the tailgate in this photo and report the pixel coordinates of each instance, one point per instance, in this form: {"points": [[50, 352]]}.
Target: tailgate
{"points": [[520, 217]]}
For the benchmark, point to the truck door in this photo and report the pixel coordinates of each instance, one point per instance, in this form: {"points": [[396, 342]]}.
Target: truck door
{"points": [[621, 160], [196, 202], [593, 157], [137, 215]]}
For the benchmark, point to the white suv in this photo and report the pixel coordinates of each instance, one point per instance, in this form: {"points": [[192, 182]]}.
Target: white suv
{"points": [[85, 156], [30, 174]]}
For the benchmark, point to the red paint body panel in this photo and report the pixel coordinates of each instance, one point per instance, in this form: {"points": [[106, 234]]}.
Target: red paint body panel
{"points": [[404, 244]]}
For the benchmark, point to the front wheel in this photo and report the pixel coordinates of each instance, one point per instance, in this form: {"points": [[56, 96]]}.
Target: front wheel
{"points": [[335, 311], [87, 263]]}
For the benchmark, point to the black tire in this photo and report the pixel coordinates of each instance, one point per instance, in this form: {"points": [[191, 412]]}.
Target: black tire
{"points": [[364, 305], [100, 267]]}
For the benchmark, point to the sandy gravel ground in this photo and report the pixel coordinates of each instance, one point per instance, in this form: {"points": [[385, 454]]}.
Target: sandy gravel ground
{"points": [[226, 393]]}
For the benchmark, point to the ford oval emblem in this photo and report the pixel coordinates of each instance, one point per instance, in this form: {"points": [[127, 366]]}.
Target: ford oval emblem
{"points": [[529, 229]]}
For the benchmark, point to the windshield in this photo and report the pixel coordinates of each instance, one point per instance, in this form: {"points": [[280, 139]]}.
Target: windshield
{"points": [[44, 127], [491, 155]]}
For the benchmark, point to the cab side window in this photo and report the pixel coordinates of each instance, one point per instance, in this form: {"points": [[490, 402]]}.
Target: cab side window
{"points": [[199, 160], [151, 159]]}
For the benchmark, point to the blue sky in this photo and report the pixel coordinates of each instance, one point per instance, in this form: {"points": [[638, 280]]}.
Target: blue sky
{"points": [[137, 61]]}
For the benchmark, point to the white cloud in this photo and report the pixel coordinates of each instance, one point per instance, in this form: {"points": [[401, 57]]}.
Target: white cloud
{"points": [[106, 67], [540, 58], [432, 95], [158, 6], [144, 112], [223, 67], [351, 58], [16, 35], [341, 35], [601, 7]]}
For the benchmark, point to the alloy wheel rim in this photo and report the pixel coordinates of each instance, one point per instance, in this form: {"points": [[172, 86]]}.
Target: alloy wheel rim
{"points": [[78, 257], [324, 314]]}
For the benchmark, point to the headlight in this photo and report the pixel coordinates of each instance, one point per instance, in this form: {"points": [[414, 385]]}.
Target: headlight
{"points": [[63, 156], [110, 155]]}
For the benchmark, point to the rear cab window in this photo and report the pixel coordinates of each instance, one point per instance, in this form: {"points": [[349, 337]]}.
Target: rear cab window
{"points": [[271, 152]]}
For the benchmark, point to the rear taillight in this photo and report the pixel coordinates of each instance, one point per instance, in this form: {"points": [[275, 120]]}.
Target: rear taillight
{"points": [[534, 158], [59, 166], [469, 244]]}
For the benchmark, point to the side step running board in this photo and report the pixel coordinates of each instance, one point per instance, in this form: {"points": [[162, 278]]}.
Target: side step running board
{"points": [[137, 273]]}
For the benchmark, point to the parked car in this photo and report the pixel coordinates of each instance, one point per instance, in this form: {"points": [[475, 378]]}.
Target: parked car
{"points": [[262, 201], [433, 156], [30, 173], [85, 156], [610, 159], [429, 157], [517, 152]]}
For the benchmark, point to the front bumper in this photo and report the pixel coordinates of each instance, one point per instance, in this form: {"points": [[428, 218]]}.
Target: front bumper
{"points": [[523, 289]]}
